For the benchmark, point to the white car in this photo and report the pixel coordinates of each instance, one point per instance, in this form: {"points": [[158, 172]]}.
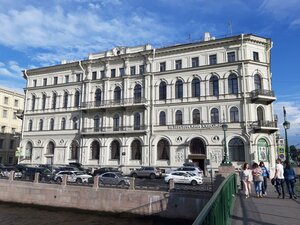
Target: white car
{"points": [[73, 176], [191, 169], [183, 178]]}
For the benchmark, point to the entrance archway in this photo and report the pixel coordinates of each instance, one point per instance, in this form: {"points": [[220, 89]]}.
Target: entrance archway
{"points": [[198, 153]]}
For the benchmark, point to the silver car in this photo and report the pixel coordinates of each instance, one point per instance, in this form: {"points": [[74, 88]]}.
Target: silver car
{"points": [[113, 179], [73, 176]]}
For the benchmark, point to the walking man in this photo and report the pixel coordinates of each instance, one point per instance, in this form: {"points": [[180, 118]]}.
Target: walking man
{"points": [[279, 178]]}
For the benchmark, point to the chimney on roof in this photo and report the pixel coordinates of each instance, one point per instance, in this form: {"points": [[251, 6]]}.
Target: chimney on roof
{"points": [[63, 61], [206, 36]]}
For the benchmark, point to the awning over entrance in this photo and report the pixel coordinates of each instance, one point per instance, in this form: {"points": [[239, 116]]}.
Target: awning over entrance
{"points": [[197, 156]]}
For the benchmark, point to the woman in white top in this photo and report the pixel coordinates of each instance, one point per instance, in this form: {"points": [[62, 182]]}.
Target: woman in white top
{"points": [[246, 177]]}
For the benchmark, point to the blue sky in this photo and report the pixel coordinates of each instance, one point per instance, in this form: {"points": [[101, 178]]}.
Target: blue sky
{"points": [[35, 33]]}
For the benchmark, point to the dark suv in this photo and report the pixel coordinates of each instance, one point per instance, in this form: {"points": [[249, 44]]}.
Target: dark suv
{"points": [[146, 171], [45, 175]]}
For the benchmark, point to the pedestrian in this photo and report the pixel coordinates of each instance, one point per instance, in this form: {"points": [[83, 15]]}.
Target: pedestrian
{"points": [[266, 176], [246, 177], [290, 179], [257, 179], [279, 178]]}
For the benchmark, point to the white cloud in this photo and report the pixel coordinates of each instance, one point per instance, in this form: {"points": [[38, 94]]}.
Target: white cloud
{"points": [[10, 70]]}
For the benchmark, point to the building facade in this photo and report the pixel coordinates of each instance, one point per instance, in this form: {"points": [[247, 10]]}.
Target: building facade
{"points": [[11, 104], [136, 106]]}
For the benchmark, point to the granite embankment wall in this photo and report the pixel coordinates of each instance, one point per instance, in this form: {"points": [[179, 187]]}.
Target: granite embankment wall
{"points": [[113, 200]]}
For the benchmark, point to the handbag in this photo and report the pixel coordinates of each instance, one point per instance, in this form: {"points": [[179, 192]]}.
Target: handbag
{"points": [[273, 181]]}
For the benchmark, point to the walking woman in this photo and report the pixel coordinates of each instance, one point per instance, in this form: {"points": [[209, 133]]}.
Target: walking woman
{"points": [[266, 176], [258, 179], [290, 179], [246, 177]]}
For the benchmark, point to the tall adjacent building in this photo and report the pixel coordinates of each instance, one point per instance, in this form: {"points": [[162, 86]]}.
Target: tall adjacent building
{"points": [[140, 106], [11, 104]]}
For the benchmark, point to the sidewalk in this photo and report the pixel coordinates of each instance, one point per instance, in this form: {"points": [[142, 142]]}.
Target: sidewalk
{"points": [[268, 210]]}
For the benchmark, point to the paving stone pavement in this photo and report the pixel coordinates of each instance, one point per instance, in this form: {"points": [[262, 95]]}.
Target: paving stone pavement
{"points": [[268, 210]]}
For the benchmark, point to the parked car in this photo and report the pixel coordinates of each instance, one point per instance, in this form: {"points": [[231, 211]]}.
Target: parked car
{"points": [[80, 167], [74, 177], [146, 171], [45, 175], [191, 169], [106, 169], [113, 178], [183, 178]]}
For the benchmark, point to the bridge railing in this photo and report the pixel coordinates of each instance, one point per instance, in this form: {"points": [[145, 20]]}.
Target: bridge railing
{"points": [[217, 210]]}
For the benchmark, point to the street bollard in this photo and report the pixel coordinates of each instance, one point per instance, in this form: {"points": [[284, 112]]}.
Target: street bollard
{"points": [[171, 184], [36, 177], [132, 183], [11, 175], [96, 182], [64, 180]]}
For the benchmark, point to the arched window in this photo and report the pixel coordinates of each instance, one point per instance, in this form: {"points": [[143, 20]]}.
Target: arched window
{"points": [[95, 150], [214, 85], [117, 95], [75, 123], [137, 93], [178, 117], [236, 150], [232, 84], [96, 123], [54, 98], [234, 115], [257, 82], [63, 124], [214, 115], [74, 150], [51, 124], [98, 97], [136, 150], [116, 122], [179, 89], [44, 101], [115, 150], [28, 150], [30, 125], [50, 148], [33, 102], [162, 118], [77, 99], [137, 121], [162, 91], [195, 87], [163, 150], [66, 97], [196, 116], [260, 114], [41, 124]]}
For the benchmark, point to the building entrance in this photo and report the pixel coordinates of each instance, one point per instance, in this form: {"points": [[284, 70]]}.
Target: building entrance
{"points": [[198, 153]]}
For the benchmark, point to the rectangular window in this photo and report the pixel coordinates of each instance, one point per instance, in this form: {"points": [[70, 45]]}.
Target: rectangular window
{"points": [[6, 100], [15, 115], [45, 81], [55, 80], [34, 83], [102, 73], [3, 129], [1, 143], [212, 59], [132, 70], [162, 66], [178, 64], [122, 72], [195, 62], [231, 56], [16, 102], [255, 56], [94, 75], [113, 73], [142, 69], [78, 77], [4, 113], [11, 144], [67, 79]]}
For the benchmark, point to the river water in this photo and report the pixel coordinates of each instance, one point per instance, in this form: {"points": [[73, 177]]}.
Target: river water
{"points": [[13, 214]]}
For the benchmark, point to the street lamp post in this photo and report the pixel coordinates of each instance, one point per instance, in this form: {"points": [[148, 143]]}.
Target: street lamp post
{"points": [[286, 126], [225, 161]]}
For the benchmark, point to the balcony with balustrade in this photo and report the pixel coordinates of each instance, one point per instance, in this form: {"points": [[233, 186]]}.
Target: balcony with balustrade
{"points": [[263, 96], [138, 129], [263, 126]]}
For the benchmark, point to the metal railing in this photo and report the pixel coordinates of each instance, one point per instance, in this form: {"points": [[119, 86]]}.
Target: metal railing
{"points": [[264, 123], [111, 129], [113, 102], [257, 92], [217, 210]]}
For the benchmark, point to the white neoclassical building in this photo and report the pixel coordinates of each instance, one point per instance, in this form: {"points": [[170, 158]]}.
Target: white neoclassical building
{"points": [[162, 107]]}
